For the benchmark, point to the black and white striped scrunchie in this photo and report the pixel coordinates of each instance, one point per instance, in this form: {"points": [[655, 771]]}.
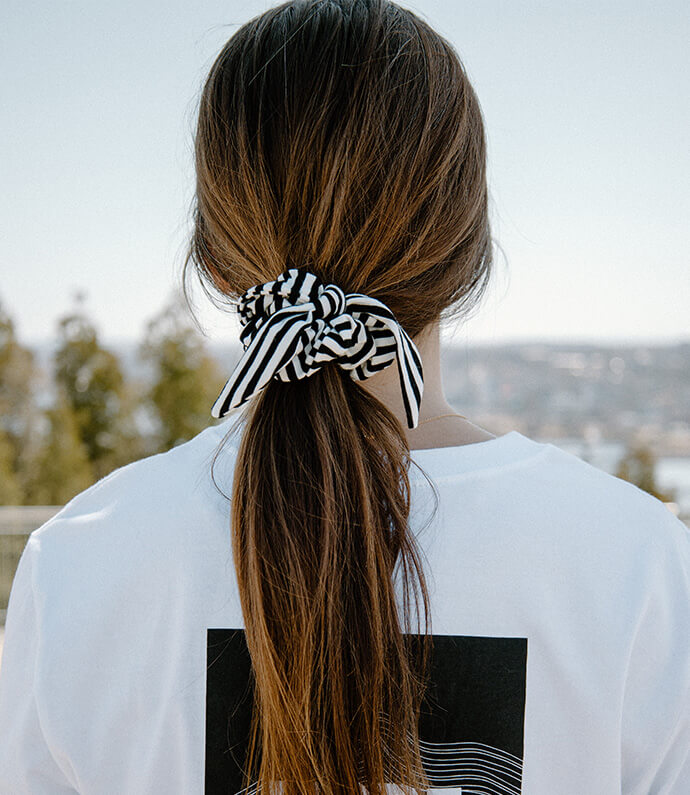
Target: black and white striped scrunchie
{"points": [[295, 324]]}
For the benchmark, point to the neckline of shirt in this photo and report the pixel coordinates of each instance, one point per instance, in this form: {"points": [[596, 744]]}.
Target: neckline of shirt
{"points": [[442, 462], [509, 448]]}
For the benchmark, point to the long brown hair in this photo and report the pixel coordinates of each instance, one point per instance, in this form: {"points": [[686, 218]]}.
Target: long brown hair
{"points": [[343, 136]]}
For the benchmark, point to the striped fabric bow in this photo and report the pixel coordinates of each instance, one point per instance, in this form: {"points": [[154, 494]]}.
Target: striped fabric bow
{"points": [[294, 325]]}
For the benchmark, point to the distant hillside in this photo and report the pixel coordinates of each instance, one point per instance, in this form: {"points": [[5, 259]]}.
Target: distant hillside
{"points": [[546, 390], [560, 390]]}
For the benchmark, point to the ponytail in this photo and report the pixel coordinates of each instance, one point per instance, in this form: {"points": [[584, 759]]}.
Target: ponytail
{"points": [[320, 512]]}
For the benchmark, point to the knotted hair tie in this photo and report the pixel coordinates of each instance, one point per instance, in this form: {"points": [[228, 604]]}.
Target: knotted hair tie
{"points": [[294, 325]]}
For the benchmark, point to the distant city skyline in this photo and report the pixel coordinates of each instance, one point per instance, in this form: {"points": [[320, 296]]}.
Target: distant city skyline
{"points": [[586, 110]]}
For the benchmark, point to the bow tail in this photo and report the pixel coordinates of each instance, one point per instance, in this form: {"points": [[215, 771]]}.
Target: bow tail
{"points": [[276, 342], [410, 371]]}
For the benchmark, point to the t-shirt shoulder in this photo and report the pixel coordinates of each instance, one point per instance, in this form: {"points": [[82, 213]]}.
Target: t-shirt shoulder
{"points": [[551, 493], [158, 490], [603, 504], [610, 493]]}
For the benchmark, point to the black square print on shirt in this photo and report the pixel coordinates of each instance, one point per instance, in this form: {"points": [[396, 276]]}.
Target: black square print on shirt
{"points": [[472, 720]]}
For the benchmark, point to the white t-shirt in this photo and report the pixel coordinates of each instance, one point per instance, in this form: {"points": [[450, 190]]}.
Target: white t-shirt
{"points": [[560, 603]]}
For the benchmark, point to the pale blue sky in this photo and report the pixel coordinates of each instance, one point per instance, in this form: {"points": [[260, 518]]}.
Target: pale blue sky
{"points": [[587, 109]]}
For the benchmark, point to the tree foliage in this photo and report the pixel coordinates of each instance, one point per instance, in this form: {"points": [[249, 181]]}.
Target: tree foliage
{"points": [[61, 468], [93, 384], [17, 377], [92, 419], [11, 492], [185, 380]]}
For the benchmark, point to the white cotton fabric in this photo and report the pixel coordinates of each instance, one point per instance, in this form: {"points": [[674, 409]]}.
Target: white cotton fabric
{"points": [[102, 686]]}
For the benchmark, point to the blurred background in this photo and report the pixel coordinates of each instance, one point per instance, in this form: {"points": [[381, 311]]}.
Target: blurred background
{"points": [[582, 340]]}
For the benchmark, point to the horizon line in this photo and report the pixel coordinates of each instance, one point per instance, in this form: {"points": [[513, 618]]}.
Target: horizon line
{"points": [[480, 341]]}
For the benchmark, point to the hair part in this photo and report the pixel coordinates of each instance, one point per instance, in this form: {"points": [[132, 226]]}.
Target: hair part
{"points": [[342, 136]]}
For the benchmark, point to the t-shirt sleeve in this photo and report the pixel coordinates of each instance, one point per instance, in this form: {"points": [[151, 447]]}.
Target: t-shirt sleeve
{"points": [[656, 707], [27, 765]]}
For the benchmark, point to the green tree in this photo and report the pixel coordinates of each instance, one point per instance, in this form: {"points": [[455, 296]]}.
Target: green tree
{"points": [[638, 466], [17, 409], [133, 440], [93, 385], [61, 467], [185, 379], [11, 493]]}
